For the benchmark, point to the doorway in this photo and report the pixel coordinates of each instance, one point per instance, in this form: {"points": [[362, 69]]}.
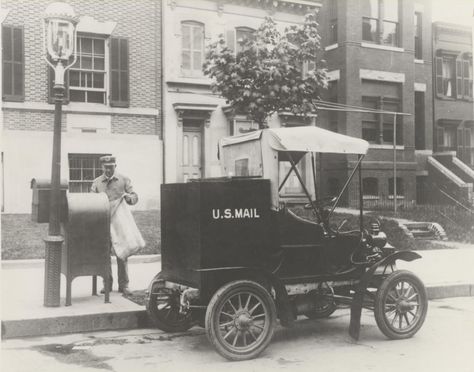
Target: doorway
{"points": [[192, 159]]}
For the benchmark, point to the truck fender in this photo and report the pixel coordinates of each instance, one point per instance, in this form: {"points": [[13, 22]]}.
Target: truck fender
{"points": [[356, 306]]}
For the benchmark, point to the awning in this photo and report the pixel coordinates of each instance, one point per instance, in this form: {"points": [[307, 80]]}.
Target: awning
{"points": [[304, 139]]}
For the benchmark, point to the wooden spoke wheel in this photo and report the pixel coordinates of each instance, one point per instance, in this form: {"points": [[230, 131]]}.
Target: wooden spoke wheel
{"points": [[163, 309], [240, 320], [401, 304]]}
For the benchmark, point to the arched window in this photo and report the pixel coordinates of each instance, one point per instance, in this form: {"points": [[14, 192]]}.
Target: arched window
{"points": [[400, 190], [242, 34], [192, 48], [370, 186]]}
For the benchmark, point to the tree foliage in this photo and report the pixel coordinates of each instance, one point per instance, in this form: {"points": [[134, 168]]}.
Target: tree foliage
{"points": [[266, 76]]}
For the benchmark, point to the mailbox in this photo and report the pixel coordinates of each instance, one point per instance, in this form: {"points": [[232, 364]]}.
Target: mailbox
{"points": [[86, 249], [40, 202]]}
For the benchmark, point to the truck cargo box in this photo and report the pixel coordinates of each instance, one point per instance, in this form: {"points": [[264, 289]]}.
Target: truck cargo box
{"points": [[214, 223]]}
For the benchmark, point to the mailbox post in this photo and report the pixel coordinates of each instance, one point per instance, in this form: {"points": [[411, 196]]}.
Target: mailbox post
{"points": [[60, 42]]}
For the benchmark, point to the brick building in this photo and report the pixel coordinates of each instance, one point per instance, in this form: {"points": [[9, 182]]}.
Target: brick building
{"points": [[113, 101], [379, 56], [451, 169]]}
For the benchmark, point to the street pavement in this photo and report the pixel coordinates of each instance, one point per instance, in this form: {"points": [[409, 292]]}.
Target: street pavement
{"points": [[446, 273], [444, 343]]}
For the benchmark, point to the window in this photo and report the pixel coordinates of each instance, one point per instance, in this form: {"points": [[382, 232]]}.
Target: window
{"points": [[332, 37], [235, 38], [242, 125], [83, 169], [380, 22], [391, 106], [454, 76], [13, 62], [370, 187], [87, 75], [94, 72], [399, 185], [307, 67], [378, 128], [242, 34], [242, 167], [418, 39], [370, 120], [192, 53]]}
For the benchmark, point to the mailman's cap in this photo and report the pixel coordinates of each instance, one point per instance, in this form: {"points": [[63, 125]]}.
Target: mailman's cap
{"points": [[107, 160]]}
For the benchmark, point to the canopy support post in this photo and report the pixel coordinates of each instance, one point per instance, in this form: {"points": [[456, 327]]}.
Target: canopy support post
{"points": [[313, 165], [395, 164], [361, 196], [318, 216], [346, 184], [286, 177]]}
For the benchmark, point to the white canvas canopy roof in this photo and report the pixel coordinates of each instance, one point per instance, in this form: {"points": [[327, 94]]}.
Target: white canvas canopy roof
{"points": [[304, 139]]}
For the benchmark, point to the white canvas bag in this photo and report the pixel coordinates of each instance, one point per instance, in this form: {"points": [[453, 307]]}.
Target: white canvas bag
{"points": [[124, 233]]}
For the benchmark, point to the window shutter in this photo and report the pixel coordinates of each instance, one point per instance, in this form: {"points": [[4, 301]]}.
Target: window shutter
{"points": [[466, 82], [119, 73], [459, 82], [13, 64], [51, 86], [439, 76], [230, 39]]}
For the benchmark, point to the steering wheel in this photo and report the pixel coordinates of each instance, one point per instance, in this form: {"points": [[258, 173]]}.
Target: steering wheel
{"points": [[323, 202]]}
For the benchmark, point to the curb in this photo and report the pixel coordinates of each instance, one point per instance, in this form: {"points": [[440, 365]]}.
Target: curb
{"points": [[139, 319], [438, 291], [74, 324], [36, 263]]}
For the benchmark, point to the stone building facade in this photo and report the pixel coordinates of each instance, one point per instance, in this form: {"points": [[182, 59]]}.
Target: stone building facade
{"points": [[195, 118]]}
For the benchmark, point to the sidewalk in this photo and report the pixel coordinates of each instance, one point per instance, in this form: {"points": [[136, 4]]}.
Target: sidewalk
{"points": [[446, 273]]}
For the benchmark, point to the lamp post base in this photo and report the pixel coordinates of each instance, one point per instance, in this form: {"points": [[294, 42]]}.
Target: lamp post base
{"points": [[52, 270]]}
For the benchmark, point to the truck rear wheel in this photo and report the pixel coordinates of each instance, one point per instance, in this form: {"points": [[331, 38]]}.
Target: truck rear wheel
{"points": [[163, 309], [240, 320], [401, 304]]}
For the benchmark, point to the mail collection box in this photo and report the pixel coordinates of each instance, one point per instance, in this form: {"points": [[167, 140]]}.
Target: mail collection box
{"points": [[41, 198]]}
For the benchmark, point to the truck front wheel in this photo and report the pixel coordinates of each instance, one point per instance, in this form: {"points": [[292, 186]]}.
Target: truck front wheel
{"points": [[401, 304]]}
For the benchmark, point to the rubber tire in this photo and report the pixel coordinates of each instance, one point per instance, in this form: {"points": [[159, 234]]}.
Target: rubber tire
{"points": [[158, 318], [380, 298], [322, 314], [212, 318]]}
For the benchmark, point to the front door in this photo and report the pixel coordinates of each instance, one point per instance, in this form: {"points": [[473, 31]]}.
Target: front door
{"points": [[192, 152]]}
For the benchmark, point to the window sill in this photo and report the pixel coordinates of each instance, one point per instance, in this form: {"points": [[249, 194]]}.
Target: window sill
{"points": [[190, 80], [386, 147], [370, 197], [401, 197], [419, 61], [331, 47], [382, 47]]}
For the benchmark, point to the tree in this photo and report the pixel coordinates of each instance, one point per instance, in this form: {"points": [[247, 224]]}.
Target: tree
{"points": [[267, 76]]}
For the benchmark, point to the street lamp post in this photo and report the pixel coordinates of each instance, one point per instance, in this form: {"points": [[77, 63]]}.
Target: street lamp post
{"points": [[59, 35]]}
